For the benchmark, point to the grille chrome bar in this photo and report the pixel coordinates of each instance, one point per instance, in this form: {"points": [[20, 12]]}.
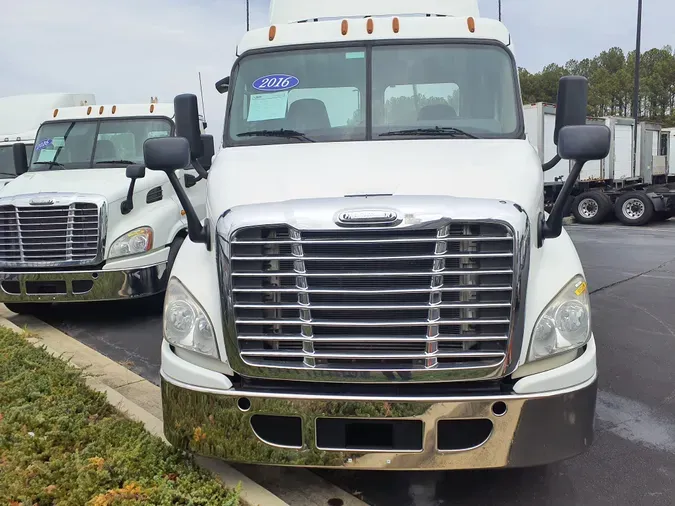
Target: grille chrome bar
{"points": [[367, 241], [370, 274], [360, 259], [347, 323], [377, 291], [371, 339], [382, 356], [440, 305]]}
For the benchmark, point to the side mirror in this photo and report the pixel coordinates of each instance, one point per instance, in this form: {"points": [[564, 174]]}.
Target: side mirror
{"points": [[223, 85], [20, 158], [209, 151], [187, 123], [584, 142], [580, 143], [134, 172], [167, 154], [572, 105], [170, 154]]}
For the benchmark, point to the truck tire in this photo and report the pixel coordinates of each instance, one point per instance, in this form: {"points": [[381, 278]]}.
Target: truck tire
{"points": [[29, 308], [634, 209], [591, 208]]}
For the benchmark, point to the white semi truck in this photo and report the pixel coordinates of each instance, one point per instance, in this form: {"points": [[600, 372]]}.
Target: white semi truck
{"points": [[376, 284], [614, 187], [20, 118], [83, 222]]}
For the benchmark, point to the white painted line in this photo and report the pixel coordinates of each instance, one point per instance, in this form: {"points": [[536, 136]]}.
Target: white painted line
{"points": [[141, 400]]}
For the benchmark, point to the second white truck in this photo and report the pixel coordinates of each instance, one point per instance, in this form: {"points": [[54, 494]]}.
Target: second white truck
{"points": [[83, 221]]}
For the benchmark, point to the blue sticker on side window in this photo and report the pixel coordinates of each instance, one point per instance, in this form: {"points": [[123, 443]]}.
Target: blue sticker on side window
{"points": [[276, 82], [43, 144]]}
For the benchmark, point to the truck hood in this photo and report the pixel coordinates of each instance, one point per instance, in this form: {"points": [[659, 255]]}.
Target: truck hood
{"points": [[111, 183], [488, 169]]}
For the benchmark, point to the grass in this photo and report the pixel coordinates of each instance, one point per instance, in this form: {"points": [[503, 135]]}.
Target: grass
{"points": [[61, 443]]}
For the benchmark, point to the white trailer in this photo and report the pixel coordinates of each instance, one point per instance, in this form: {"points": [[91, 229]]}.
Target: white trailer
{"points": [[20, 118], [83, 222], [375, 284]]}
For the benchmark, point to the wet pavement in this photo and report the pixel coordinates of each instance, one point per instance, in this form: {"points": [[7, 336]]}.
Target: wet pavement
{"points": [[631, 273]]}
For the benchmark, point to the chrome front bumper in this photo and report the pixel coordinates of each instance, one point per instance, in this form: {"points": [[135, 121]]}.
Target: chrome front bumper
{"points": [[470, 432], [82, 286]]}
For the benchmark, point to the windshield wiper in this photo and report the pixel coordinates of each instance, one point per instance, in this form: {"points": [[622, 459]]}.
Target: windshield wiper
{"points": [[127, 162], [51, 164], [291, 134], [449, 131]]}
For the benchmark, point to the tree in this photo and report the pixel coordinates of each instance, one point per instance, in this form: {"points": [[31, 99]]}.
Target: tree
{"points": [[610, 76]]}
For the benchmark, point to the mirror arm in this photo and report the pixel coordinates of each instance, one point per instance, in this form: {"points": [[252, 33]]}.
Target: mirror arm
{"points": [[552, 228], [127, 205], [551, 163], [200, 170], [196, 231]]}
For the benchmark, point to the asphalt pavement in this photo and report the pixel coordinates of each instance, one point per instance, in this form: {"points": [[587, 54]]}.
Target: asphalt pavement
{"points": [[631, 274]]}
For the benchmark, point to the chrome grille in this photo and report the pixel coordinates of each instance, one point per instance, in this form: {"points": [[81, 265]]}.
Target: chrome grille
{"points": [[54, 234], [374, 300]]}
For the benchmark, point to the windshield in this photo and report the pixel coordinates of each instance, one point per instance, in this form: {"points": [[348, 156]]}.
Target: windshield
{"points": [[449, 90], [7, 160], [83, 144]]}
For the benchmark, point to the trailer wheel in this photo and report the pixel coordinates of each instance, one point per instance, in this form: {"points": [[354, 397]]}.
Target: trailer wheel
{"points": [[591, 207], [634, 208]]}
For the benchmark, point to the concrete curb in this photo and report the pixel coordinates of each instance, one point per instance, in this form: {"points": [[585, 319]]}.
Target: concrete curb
{"points": [[114, 380]]}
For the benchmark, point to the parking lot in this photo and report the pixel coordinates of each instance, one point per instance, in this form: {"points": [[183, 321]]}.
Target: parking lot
{"points": [[631, 272]]}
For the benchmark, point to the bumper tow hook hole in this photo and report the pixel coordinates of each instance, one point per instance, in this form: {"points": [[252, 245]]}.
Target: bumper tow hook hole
{"points": [[499, 408], [244, 404], [94, 275]]}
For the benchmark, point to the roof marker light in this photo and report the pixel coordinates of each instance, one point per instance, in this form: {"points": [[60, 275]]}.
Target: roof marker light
{"points": [[370, 25], [472, 24], [273, 32], [345, 26], [56, 112], [396, 25], [88, 110], [100, 110], [152, 107], [114, 109]]}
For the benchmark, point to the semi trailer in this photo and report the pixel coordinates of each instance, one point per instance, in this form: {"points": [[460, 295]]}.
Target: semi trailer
{"points": [[616, 187], [376, 284], [82, 221]]}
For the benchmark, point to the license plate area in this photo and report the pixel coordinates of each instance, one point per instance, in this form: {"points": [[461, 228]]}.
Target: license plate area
{"points": [[340, 434]]}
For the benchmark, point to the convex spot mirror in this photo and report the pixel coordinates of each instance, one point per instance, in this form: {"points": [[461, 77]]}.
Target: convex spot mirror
{"points": [[136, 171], [223, 85], [166, 154], [584, 142], [572, 104]]}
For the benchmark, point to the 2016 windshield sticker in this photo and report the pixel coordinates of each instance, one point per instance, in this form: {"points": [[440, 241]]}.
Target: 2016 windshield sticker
{"points": [[44, 144], [276, 82]]}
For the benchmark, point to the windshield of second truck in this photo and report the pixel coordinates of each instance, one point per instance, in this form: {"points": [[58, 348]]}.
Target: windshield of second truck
{"points": [[453, 90], [7, 160], [84, 144]]}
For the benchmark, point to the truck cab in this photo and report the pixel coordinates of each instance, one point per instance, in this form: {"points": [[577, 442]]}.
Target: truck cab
{"points": [[376, 284], [20, 118], [83, 221]]}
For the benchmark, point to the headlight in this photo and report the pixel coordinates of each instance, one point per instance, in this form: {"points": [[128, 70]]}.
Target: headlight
{"points": [[132, 243], [185, 322], [565, 324]]}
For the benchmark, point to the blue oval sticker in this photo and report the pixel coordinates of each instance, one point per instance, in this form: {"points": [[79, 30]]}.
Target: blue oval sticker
{"points": [[276, 82]]}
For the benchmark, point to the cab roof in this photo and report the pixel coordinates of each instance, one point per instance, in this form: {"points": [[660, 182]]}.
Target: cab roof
{"points": [[114, 111], [362, 29]]}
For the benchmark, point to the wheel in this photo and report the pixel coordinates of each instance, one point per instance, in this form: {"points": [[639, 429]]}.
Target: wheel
{"points": [[591, 208], [634, 208], [29, 308]]}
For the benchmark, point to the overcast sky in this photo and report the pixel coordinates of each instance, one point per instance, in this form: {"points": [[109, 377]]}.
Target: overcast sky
{"points": [[130, 50]]}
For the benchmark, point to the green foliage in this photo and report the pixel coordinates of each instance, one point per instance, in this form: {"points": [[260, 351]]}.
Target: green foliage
{"points": [[610, 76], [62, 443]]}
